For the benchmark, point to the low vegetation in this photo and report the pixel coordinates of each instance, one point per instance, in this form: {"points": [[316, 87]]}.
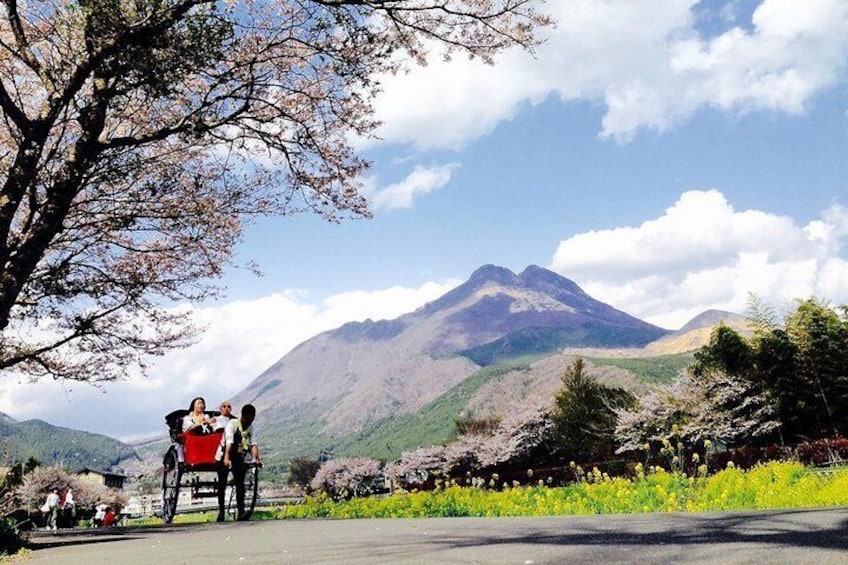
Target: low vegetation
{"points": [[662, 369], [772, 485]]}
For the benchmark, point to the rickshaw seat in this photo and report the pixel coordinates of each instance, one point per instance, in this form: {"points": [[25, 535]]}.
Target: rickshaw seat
{"points": [[201, 449]]}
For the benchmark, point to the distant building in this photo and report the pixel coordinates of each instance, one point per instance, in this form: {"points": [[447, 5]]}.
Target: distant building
{"points": [[107, 478]]}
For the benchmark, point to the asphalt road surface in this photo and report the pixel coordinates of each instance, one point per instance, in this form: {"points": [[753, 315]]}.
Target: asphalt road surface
{"points": [[791, 536]]}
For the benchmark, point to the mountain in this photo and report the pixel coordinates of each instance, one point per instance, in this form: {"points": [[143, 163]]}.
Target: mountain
{"points": [[351, 379], [696, 332], [55, 445]]}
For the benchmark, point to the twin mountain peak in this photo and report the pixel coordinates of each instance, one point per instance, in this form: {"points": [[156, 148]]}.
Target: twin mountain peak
{"points": [[354, 377]]}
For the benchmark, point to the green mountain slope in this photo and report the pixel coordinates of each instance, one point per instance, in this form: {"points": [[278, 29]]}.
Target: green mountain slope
{"points": [[55, 445], [540, 341], [432, 425], [661, 369]]}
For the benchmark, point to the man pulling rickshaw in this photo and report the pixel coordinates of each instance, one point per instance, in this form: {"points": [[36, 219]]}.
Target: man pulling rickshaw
{"points": [[239, 449]]}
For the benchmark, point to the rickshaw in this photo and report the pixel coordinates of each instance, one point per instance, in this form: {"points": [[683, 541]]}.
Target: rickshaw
{"points": [[189, 462]]}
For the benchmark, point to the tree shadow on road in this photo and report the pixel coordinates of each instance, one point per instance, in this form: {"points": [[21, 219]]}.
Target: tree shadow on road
{"points": [[781, 529], [71, 537]]}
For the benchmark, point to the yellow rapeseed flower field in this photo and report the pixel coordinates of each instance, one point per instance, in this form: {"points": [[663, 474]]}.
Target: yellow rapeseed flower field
{"points": [[773, 485]]}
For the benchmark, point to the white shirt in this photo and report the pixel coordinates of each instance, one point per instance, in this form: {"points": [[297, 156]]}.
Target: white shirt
{"points": [[230, 437], [188, 421], [222, 421]]}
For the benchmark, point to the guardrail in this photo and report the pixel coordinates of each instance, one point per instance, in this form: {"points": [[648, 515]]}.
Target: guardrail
{"points": [[211, 504]]}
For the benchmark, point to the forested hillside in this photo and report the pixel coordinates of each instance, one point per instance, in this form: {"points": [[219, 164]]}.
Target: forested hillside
{"points": [[54, 445]]}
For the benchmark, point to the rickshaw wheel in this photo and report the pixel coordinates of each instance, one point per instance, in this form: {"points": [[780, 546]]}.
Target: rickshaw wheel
{"points": [[170, 485], [251, 492]]}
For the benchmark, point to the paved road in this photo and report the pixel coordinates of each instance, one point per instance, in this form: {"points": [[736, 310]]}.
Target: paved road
{"points": [[793, 536]]}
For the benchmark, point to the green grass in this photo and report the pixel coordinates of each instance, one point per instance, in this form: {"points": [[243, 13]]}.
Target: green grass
{"points": [[433, 424], [662, 369], [199, 518], [774, 485]]}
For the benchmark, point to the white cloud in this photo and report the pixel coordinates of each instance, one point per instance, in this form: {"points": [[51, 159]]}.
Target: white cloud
{"points": [[242, 339], [644, 61], [422, 180], [702, 253]]}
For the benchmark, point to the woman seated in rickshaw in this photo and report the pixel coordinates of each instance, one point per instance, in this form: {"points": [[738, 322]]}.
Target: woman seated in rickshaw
{"points": [[197, 421]]}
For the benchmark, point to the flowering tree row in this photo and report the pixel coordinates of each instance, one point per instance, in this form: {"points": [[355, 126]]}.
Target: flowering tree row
{"points": [[518, 439]]}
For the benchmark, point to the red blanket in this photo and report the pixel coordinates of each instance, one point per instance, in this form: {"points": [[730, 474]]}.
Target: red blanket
{"points": [[201, 449]]}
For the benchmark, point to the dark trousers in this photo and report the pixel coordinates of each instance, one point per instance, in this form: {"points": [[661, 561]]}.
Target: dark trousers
{"points": [[239, 470]]}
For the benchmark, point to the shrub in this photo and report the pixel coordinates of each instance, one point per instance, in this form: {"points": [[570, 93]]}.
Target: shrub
{"points": [[823, 451], [10, 538], [301, 471], [477, 426]]}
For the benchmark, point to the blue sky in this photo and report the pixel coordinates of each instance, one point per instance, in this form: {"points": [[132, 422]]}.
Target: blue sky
{"points": [[669, 156]]}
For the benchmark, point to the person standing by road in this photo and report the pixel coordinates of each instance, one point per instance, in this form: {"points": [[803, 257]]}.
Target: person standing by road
{"points": [[52, 505], [239, 446], [69, 508], [99, 514]]}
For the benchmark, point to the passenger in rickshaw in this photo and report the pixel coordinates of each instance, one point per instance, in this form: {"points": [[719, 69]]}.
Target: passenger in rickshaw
{"points": [[238, 447], [197, 421], [220, 421]]}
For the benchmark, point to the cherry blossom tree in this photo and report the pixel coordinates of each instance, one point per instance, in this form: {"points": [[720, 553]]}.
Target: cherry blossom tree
{"points": [[347, 478], [522, 434], [416, 467], [138, 136], [713, 405]]}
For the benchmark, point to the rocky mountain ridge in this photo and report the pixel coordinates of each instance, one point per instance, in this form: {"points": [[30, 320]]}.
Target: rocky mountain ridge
{"points": [[352, 377]]}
